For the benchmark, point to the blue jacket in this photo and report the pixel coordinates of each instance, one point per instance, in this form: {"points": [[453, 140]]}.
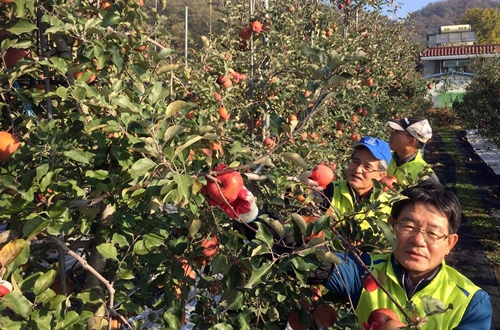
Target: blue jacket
{"points": [[477, 316]]}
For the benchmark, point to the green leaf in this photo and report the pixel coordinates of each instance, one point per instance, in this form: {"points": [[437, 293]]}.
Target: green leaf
{"points": [[108, 250], [433, 306], [187, 144], [167, 68], [258, 276], [21, 27], [124, 102], [141, 167], [59, 64], [126, 274], [178, 106], [327, 256], [264, 235], [99, 174], [157, 92], [70, 318], [119, 240], [184, 184], [44, 281], [166, 52], [335, 80], [232, 300], [34, 226], [173, 131], [295, 159], [17, 303], [334, 61], [300, 222], [153, 240], [77, 155]]}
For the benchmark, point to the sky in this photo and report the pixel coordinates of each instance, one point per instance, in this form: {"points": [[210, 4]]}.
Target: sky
{"points": [[411, 5]]}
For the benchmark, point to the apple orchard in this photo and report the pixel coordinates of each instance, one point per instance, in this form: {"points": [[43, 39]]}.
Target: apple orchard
{"points": [[118, 131]]}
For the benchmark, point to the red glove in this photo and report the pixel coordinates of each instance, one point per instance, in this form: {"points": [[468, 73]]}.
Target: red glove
{"points": [[243, 208]]}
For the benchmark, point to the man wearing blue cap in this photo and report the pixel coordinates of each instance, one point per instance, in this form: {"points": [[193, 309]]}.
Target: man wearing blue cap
{"points": [[369, 161]]}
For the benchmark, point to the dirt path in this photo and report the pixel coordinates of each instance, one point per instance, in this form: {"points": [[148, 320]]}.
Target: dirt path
{"points": [[468, 256]]}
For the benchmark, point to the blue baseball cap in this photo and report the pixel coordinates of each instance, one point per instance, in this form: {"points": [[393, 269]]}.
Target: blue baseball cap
{"points": [[379, 148]]}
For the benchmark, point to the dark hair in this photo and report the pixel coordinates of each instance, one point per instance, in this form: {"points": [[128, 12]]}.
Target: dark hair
{"points": [[434, 194]]}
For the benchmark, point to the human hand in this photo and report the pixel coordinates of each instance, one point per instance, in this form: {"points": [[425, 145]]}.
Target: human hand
{"points": [[306, 178], [231, 195]]}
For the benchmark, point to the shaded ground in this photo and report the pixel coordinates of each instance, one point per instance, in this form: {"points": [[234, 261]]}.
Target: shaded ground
{"points": [[468, 255]]}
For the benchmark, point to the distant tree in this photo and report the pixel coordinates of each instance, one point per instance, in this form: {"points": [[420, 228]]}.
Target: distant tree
{"points": [[486, 23], [448, 12]]}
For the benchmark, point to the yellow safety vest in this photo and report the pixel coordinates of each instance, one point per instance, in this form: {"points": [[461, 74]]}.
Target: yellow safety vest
{"points": [[343, 202], [449, 286], [413, 168]]}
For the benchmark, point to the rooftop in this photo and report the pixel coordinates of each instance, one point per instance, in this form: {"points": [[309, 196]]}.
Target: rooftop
{"points": [[460, 50]]}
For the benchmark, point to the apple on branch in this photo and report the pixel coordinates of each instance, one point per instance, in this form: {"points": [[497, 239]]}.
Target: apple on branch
{"points": [[388, 182], [228, 186]]}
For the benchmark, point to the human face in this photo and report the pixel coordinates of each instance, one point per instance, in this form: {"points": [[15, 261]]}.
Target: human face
{"points": [[401, 142], [363, 167], [412, 251]]}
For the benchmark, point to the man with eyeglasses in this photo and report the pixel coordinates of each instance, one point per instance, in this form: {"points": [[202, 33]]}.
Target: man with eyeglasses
{"points": [[369, 160], [408, 137], [426, 225]]}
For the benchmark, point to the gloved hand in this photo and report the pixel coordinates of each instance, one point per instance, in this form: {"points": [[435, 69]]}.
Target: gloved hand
{"points": [[319, 177], [242, 207], [306, 178]]}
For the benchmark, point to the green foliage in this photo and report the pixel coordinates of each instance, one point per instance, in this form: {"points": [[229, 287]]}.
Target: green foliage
{"points": [[113, 160], [485, 22], [479, 108]]}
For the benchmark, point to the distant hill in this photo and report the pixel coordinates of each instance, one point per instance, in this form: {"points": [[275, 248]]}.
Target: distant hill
{"points": [[431, 17]]}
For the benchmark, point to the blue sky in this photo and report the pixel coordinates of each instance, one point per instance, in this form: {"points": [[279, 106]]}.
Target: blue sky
{"points": [[411, 5]]}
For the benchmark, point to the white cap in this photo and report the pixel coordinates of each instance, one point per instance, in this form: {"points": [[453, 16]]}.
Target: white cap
{"points": [[417, 127]]}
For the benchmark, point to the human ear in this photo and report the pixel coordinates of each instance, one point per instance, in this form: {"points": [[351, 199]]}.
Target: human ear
{"points": [[451, 241], [391, 221]]}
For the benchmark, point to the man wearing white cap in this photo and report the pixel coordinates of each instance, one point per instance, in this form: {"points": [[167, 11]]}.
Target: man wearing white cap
{"points": [[408, 136]]}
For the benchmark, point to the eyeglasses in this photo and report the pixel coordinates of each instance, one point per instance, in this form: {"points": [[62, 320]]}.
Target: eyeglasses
{"points": [[366, 168], [431, 236]]}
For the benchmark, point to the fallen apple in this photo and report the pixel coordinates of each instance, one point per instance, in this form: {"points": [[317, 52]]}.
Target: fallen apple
{"points": [[227, 189]]}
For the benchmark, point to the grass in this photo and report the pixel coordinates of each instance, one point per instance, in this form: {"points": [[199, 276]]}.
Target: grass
{"points": [[485, 227]]}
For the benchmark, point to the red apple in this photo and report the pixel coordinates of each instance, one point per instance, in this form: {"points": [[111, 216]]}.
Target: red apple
{"points": [[5, 287], [222, 79], [368, 82], [392, 325], [388, 182], [211, 246], [230, 184], [369, 284], [256, 26], [322, 174], [381, 316]]}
